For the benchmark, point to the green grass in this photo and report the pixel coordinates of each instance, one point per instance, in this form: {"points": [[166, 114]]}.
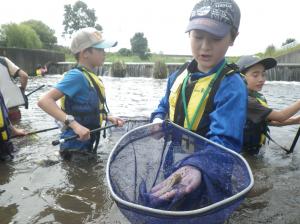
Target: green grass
{"points": [[113, 57], [281, 52]]}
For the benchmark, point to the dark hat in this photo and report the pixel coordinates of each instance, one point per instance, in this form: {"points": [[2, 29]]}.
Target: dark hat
{"points": [[215, 16], [245, 62]]}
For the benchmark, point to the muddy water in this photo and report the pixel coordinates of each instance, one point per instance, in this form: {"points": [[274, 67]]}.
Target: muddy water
{"points": [[37, 187]]}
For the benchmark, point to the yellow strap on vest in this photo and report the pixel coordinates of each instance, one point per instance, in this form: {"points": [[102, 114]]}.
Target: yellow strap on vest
{"points": [[174, 94], [263, 137], [198, 92], [262, 102], [99, 83], [4, 134]]}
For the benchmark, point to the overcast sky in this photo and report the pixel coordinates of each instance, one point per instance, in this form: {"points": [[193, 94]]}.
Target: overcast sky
{"points": [[263, 22]]}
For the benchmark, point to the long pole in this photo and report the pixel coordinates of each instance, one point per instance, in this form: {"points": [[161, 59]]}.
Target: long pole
{"points": [[57, 142], [28, 94], [35, 132], [294, 142]]}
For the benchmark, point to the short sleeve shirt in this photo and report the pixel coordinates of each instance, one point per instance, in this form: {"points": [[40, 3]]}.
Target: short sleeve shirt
{"points": [[74, 85], [12, 68], [257, 112]]}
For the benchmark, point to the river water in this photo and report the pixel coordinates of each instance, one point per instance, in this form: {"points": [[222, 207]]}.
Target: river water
{"points": [[37, 187]]}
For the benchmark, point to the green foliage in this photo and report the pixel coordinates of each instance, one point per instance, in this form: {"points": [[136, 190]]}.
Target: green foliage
{"points": [[160, 70], [23, 36], [139, 45], [232, 59], [270, 51], [78, 16], [110, 57], [288, 41], [125, 52], [45, 33], [284, 51], [118, 69]]}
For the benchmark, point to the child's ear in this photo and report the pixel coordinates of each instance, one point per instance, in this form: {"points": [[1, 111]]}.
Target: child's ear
{"points": [[85, 54], [233, 39]]}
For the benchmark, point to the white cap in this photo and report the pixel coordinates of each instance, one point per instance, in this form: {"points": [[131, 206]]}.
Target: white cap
{"points": [[89, 37]]}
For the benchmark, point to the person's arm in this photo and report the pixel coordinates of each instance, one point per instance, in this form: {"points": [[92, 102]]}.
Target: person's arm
{"points": [[23, 79], [290, 121], [48, 103], [116, 120], [282, 115], [17, 131], [15, 71], [228, 119]]}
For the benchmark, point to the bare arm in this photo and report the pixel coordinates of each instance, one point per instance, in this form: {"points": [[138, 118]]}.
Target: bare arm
{"points": [[17, 132], [290, 121], [283, 115], [116, 120], [23, 79], [48, 104]]}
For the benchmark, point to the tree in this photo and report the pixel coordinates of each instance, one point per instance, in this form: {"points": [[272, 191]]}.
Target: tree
{"points": [[125, 52], [288, 41], [23, 36], [139, 45], [45, 33], [270, 50], [79, 16]]}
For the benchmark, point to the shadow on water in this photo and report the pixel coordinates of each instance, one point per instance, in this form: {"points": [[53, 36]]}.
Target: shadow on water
{"points": [[38, 187]]}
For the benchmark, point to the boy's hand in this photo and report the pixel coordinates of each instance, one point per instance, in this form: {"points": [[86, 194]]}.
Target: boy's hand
{"points": [[187, 179], [157, 127], [18, 132], [83, 132], [116, 120]]}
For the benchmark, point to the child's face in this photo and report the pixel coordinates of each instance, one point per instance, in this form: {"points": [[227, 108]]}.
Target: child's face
{"points": [[256, 77], [96, 57], [207, 49]]}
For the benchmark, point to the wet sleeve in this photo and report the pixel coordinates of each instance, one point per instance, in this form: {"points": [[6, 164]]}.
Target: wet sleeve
{"points": [[229, 117], [216, 167], [257, 112], [163, 107]]}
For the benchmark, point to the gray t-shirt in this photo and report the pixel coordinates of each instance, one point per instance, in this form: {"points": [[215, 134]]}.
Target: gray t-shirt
{"points": [[257, 112]]}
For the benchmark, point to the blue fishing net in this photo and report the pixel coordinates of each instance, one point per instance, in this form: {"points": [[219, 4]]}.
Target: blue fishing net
{"points": [[147, 155]]}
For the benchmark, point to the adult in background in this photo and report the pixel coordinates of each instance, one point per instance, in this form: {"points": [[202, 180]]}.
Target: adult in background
{"points": [[6, 131], [13, 96]]}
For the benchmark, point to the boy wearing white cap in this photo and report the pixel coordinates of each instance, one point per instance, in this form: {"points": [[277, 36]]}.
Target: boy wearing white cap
{"points": [[83, 104], [208, 97]]}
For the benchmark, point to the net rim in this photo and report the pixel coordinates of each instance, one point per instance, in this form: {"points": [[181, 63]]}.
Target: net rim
{"points": [[177, 213]]}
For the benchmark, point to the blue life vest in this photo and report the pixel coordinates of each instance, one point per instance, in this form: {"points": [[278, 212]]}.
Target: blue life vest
{"points": [[87, 113]]}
